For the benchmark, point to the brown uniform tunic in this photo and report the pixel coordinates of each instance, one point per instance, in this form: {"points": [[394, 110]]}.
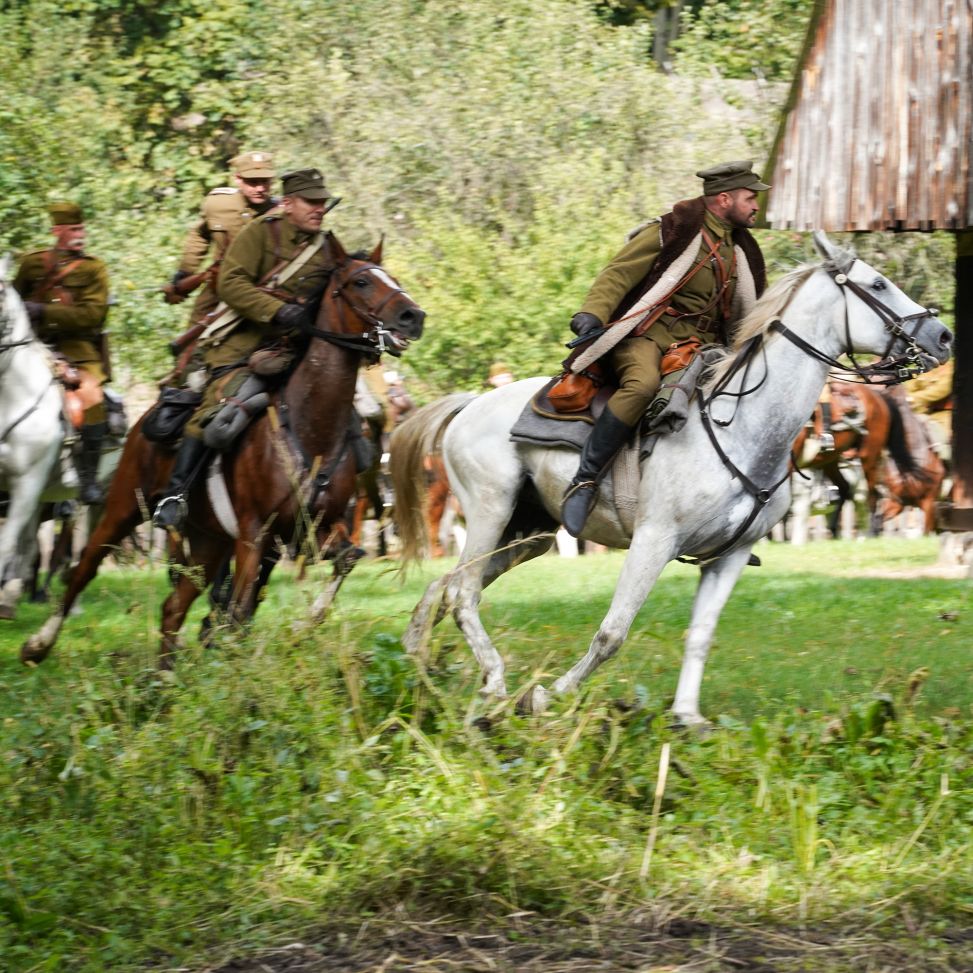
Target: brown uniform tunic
{"points": [[74, 291]]}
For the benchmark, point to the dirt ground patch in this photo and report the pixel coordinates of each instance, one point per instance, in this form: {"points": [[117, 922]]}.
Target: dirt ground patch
{"points": [[635, 943]]}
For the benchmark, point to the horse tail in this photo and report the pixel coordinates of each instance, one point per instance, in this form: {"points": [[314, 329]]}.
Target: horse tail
{"points": [[419, 436], [898, 442]]}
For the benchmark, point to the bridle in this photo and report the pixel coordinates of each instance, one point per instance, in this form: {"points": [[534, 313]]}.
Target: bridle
{"points": [[6, 326], [886, 371], [374, 340]]}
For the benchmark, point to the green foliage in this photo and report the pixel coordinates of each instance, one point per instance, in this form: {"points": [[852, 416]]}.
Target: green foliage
{"points": [[746, 38]]}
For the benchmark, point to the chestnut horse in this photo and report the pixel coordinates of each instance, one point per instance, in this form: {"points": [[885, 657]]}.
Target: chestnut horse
{"points": [[871, 423], [290, 475]]}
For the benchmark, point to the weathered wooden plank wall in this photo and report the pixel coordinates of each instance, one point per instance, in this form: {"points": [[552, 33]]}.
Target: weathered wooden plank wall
{"points": [[880, 131]]}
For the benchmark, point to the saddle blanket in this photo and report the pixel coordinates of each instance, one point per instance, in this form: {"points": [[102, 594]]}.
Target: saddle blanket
{"points": [[540, 425]]}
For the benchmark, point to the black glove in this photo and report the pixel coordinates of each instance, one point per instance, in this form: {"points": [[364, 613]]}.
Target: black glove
{"points": [[583, 323], [291, 317], [35, 311]]}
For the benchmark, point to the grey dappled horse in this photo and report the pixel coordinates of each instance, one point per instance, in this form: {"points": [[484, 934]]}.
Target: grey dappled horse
{"points": [[31, 434], [708, 492]]}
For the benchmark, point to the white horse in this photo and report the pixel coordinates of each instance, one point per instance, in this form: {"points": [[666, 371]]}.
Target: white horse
{"points": [[31, 435], [708, 492]]}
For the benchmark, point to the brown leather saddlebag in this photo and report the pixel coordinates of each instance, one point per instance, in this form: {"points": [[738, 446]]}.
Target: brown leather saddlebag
{"points": [[678, 355], [573, 392]]}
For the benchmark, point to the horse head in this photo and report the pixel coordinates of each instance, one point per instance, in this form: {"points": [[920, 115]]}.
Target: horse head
{"points": [[879, 318], [364, 300]]}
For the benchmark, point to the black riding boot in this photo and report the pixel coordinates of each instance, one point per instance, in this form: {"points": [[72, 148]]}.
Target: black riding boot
{"points": [[606, 439], [171, 511], [91, 439]]}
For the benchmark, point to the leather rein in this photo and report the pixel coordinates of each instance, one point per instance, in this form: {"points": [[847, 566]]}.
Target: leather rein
{"points": [[887, 371]]}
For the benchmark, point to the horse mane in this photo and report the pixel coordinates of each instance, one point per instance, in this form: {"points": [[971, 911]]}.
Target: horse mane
{"points": [[768, 309]]}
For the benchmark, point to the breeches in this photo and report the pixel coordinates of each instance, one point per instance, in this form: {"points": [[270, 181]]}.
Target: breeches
{"points": [[90, 393], [214, 395], [636, 363]]}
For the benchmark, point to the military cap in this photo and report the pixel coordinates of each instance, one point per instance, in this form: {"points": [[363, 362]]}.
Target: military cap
{"points": [[730, 175], [64, 213], [253, 165], [307, 183]]}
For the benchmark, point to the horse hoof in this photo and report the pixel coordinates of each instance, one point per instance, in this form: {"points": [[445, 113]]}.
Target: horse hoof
{"points": [[696, 725], [33, 652], [534, 702]]}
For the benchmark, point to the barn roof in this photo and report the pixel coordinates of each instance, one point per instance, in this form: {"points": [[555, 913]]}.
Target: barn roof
{"points": [[878, 129]]}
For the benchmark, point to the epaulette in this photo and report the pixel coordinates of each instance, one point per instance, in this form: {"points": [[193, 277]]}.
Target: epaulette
{"points": [[223, 191], [632, 234]]}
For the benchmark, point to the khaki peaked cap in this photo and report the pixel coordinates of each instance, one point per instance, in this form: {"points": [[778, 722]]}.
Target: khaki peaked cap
{"points": [[253, 165], [727, 176], [64, 213]]}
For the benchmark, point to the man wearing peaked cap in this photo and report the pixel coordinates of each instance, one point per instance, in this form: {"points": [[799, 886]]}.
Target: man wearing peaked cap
{"points": [[252, 283], [225, 211], [692, 273], [65, 291]]}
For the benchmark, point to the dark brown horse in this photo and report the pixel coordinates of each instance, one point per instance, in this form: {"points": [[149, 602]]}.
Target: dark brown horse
{"points": [[869, 425], [291, 474]]}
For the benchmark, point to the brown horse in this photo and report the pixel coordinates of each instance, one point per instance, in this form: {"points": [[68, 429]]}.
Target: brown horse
{"points": [[290, 475], [868, 423]]}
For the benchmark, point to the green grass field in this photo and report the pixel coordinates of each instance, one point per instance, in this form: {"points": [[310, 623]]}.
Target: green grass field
{"points": [[286, 780]]}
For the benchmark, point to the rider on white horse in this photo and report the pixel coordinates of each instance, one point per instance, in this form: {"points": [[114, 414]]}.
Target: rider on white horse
{"points": [[65, 293], [692, 274]]}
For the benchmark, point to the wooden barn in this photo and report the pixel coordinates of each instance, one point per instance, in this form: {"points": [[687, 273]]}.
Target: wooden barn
{"points": [[877, 135]]}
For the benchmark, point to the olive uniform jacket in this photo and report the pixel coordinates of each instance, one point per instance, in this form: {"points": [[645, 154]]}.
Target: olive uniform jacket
{"points": [[73, 287], [696, 308], [225, 212], [269, 243]]}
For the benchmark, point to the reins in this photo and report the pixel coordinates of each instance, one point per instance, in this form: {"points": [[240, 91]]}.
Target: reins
{"points": [[887, 371]]}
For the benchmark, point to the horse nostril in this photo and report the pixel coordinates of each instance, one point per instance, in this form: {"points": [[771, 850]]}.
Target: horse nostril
{"points": [[946, 339], [411, 317]]}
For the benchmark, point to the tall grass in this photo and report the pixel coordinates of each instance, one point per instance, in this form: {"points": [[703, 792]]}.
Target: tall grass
{"points": [[287, 779]]}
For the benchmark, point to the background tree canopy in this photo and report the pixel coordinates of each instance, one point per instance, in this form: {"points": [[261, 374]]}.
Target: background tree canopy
{"points": [[504, 149]]}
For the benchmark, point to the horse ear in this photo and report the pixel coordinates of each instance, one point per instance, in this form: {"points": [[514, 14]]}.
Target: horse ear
{"points": [[376, 255], [825, 247], [337, 251]]}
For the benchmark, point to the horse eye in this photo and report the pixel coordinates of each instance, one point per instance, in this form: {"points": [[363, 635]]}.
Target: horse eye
{"points": [[879, 285], [361, 282]]}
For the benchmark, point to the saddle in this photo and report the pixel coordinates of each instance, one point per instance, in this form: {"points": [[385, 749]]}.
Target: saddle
{"points": [[542, 425]]}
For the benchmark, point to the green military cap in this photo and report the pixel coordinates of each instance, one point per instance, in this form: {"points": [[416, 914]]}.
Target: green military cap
{"points": [[253, 165], [307, 183], [65, 213], [730, 175]]}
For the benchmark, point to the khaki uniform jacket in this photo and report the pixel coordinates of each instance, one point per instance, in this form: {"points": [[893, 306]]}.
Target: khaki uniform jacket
{"points": [[930, 394], [225, 212], [269, 242], [696, 298], [75, 307]]}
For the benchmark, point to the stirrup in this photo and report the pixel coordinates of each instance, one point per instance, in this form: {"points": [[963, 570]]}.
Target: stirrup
{"points": [[171, 512]]}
